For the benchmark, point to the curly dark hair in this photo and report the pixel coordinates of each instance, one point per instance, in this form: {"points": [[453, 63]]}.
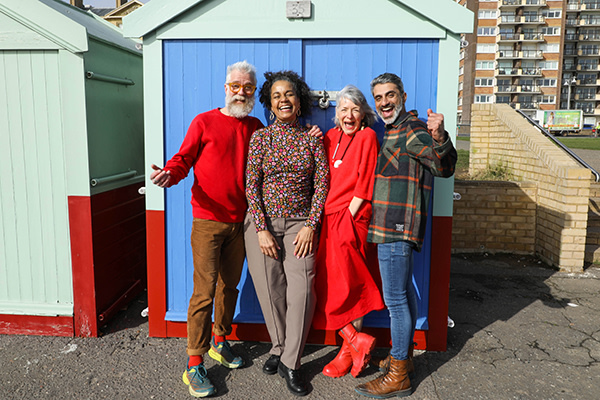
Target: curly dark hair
{"points": [[300, 87]]}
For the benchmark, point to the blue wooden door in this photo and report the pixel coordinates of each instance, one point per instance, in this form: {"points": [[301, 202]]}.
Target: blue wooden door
{"points": [[194, 72]]}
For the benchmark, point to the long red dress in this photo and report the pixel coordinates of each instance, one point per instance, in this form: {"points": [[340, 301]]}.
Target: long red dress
{"points": [[347, 279]]}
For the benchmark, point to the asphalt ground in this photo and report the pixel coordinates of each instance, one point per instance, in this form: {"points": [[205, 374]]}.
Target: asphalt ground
{"points": [[521, 331]]}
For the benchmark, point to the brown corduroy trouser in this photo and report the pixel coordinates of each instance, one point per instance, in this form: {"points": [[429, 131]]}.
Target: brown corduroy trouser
{"points": [[218, 249]]}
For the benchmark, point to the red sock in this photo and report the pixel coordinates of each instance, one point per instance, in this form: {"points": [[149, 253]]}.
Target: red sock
{"points": [[194, 360], [219, 339]]}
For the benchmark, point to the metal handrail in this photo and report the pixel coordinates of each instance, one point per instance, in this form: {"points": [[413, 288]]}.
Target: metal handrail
{"points": [[562, 146]]}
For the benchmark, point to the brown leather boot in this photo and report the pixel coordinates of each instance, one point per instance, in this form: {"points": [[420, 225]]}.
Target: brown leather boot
{"points": [[384, 363], [341, 364], [393, 383], [361, 345]]}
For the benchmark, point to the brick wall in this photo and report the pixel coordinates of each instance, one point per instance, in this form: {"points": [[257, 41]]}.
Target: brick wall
{"points": [[562, 187], [495, 217]]}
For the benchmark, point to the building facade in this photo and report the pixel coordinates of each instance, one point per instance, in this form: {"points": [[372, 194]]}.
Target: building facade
{"points": [[531, 54]]}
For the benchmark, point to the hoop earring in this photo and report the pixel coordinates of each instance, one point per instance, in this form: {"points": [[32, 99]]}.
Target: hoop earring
{"points": [[271, 115], [299, 112]]}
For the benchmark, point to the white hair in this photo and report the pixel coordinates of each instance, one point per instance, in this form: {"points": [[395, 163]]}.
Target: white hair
{"points": [[242, 66]]}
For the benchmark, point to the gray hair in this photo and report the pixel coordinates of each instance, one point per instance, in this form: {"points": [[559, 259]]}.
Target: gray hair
{"points": [[388, 77], [242, 66], [353, 94]]}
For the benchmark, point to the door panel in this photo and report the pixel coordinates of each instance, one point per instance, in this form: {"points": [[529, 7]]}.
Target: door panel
{"points": [[194, 78]]}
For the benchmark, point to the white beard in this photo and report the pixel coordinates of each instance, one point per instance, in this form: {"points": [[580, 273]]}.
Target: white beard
{"points": [[239, 111], [397, 111]]}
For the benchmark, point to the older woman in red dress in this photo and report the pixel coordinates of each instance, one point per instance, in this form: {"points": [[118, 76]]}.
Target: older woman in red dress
{"points": [[347, 275]]}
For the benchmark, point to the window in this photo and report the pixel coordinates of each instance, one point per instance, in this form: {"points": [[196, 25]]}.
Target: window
{"points": [[586, 93], [588, 64], [587, 79], [551, 47], [487, 14], [483, 98], [548, 64], [484, 81], [486, 31], [550, 30], [550, 82], [461, 70], [503, 99], [486, 48], [555, 13], [587, 108], [484, 65]]}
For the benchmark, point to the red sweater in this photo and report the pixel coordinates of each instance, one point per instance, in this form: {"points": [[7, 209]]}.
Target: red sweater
{"points": [[355, 175], [216, 145]]}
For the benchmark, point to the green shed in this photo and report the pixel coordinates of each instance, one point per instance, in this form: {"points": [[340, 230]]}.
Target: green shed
{"points": [[72, 223]]}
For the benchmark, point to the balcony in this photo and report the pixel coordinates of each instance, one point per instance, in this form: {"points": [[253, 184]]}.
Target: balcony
{"points": [[521, 37], [590, 36], [531, 54], [508, 71], [569, 67], [533, 36], [522, 3], [589, 22], [588, 82], [506, 89], [530, 89], [586, 96], [507, 54], [571, 37], [588, 52], [531, 105], [531, 19], [532, 71], [587, 67], [590, 6], [571, 52]]}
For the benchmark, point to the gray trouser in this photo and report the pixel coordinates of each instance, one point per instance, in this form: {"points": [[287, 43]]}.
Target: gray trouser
{"points": [[284, 288]]}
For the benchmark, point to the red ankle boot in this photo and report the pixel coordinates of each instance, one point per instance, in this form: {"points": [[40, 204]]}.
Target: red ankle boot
{"points": [[360, 345], [341, 364]]}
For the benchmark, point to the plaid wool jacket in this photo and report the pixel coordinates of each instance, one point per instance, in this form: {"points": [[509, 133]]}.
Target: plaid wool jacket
{"points": [[406, 164]]}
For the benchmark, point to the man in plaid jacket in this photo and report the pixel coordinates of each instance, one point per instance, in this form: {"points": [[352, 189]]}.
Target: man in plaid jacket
{"points": [[411, 154]]}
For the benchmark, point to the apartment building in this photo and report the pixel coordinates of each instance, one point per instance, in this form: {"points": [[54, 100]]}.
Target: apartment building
{"points": [[533, 55]]}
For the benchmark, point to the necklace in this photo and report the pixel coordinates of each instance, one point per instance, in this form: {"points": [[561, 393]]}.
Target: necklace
{"points": [[337, 163]]}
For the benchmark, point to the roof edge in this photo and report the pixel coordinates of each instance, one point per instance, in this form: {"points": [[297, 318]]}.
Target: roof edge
{"points": [[438, 12], [155, 14], [35, 15]]}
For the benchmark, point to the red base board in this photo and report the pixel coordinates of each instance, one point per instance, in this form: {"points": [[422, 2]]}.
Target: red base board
{"points": [[258, 333], [36, 325]]}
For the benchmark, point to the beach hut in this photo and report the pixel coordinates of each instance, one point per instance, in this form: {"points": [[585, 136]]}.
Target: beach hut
{"points": [[331, 43], [72, 223]]}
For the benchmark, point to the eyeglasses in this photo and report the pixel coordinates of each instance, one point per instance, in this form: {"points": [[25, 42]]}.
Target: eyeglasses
{"points": [[235, 87]]}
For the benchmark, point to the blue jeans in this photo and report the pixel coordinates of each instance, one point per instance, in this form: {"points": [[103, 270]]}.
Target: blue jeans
{"points": [[396, 266]]}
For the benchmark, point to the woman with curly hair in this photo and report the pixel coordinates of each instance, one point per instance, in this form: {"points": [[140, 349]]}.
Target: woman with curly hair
{"points": [[286, 188]]}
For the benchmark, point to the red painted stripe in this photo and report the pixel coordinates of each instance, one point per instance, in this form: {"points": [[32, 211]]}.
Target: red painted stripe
{"points": [[439, 283], [36, 325], [157, 277], [82, 260]]}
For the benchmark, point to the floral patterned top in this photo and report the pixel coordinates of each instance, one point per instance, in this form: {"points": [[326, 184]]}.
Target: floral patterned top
{"points": [[286, 175]]}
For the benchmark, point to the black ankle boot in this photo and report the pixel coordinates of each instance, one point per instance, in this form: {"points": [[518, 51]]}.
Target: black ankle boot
{"points": [[271, 365], [295, 383]]}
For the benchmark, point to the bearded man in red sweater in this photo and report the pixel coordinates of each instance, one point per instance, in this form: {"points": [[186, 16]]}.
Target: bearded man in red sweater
{"points": [[219, 206]]}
